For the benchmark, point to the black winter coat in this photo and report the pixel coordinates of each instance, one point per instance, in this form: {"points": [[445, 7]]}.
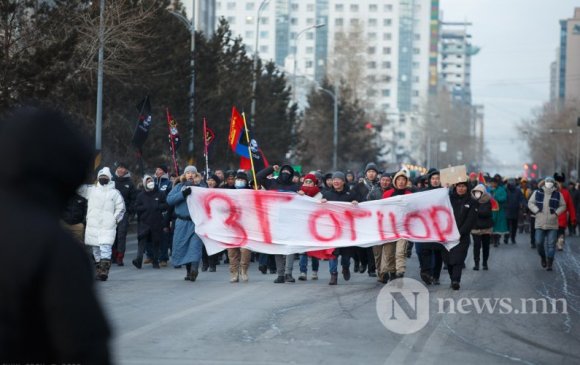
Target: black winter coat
{"points": [[465, 213], [484, 216], [339, 196], [75, 211], [149, 207], [276, 184], [367, 191], [515, 200], [128, 191]]}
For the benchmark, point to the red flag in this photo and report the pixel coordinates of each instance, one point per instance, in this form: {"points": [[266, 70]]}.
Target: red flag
{"points": [[480, 178], [236, 127], [322, 254]]}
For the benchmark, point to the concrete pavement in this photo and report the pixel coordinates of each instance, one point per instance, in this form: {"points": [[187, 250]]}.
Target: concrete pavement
{"points": [[157, 317]]}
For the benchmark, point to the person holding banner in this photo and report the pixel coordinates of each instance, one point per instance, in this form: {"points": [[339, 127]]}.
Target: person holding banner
{"points": [[465, 213], [187, 246], [340, 193], [309, 188], [282, 183], [391, 257], [239, 255]]}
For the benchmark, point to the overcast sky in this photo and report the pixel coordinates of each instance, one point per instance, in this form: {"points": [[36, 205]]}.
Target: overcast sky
{"points": [[511, 74]]}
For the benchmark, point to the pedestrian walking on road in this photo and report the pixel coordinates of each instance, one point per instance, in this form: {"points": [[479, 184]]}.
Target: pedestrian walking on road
{"points": [[239, 257], [186, 243], [481, 232]]}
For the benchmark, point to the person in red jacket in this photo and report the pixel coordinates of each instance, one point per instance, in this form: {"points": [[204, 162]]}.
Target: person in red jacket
{"points": [[391, 257], [564, 219]]}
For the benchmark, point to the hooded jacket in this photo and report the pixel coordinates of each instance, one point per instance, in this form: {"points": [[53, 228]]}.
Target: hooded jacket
{"points": [[281, 183], [394, 191], [105, 210], [150, 206], [545, 218], [484, 221], [49, 312], [464, 211]]}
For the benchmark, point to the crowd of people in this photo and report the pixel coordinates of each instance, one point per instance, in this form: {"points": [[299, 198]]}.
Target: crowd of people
{"points": [[487, 210]]}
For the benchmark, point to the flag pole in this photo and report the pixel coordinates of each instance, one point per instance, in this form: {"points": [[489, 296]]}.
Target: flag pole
{"points": [[172, 143], [250, 151], [205, 151]]}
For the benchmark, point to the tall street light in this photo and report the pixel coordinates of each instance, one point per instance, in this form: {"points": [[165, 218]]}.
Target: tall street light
{"points": [[255, 73], [99, 116], [296, 50], [190, 24]]}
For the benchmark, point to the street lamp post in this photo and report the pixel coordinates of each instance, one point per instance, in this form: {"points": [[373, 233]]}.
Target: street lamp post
{"points": [[296, 50], [255, 73], [99, 116], [190, 24]]}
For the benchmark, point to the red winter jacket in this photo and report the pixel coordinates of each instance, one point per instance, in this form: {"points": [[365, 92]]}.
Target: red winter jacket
{"points": [[570, 210], [391, 192]]}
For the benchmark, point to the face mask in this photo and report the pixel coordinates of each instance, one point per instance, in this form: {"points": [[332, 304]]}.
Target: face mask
{"points": [[477, 194], [103, 181], [549, 184], [150, 185], [240, 184]]}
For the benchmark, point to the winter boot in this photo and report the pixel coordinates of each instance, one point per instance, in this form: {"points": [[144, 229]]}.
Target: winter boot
{"points": [[549, 264], [372, 274], [455, 285], [392, 276], [234, 277], [476, 267], [436, 281], [188, 272], [120, 257], [363, 268], [302, 276], [315, 275], [346, 273], [400, 275], [427, 278], [244, 276], [155, 264], [356, 267], [212, 268], [485, 266], [289, 279], [333, 279], [279, 280], [263, 269], [137, 263], [98, 271], [105, 266], [543, 261]]}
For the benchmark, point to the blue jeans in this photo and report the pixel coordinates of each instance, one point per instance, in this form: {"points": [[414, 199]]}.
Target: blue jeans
{"points": [[304, 263], [333, 263], [546, 242]]}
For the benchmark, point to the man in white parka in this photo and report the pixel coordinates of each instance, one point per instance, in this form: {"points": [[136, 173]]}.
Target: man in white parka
{"points": [[106, 209]]}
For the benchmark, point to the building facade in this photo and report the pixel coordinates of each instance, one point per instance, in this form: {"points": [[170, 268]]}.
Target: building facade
{"points": [[565, 71]]}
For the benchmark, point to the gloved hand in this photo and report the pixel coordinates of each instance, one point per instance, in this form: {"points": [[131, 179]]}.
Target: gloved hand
{"points": [[186, 192]]}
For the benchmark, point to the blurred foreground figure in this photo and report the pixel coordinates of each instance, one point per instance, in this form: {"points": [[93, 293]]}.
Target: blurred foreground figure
{"points": [[48, 309]]}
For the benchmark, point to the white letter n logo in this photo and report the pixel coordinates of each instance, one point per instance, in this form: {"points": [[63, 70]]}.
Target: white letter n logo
{"points": [[410, 312]]}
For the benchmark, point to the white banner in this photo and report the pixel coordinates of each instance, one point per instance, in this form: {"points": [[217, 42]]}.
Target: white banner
{"points": [[284, 223]]}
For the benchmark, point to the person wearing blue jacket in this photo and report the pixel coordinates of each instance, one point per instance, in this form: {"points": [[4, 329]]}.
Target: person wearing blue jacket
{"points": [[187, 246]]}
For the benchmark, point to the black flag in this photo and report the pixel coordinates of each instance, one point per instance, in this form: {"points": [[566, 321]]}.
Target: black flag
{"points": [[144, 123]]}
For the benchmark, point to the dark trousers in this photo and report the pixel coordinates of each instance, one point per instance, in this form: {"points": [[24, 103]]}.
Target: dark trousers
{"points": [[481, 243], [208, 261], [365, 256], [513, 229], [120, 243], [268, 261], [533, 231], [164, 246], [149, 241], [431, 258]]}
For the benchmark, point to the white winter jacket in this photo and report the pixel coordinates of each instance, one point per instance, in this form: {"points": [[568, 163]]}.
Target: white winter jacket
{"points": [[106, 208]]}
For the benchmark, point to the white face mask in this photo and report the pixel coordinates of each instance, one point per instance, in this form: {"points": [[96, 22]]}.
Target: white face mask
{"points": [[549, 185], [240, 184], [150, 185], [477, 194]]}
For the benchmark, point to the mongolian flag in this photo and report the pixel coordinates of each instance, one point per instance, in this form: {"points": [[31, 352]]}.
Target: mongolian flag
{"points": [[260, 161], [144, 123], [236, 129], [238, 143]]}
